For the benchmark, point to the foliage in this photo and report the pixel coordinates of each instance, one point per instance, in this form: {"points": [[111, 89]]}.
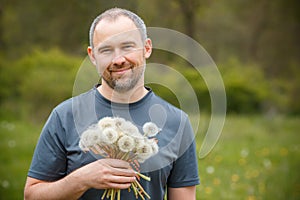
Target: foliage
{"points": [[269, 83], [223, 28], [247, 90], [37, 82], [4, 79]]}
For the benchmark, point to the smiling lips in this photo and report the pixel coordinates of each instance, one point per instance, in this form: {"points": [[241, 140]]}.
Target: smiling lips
{"points": [[120, 70]]}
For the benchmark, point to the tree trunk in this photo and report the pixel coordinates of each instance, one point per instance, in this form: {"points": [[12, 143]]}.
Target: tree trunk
{"points": [[188, 8], [1, 28]]}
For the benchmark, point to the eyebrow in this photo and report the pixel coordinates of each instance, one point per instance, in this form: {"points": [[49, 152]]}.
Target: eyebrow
{"points": [[128, 42], [109, 46]]}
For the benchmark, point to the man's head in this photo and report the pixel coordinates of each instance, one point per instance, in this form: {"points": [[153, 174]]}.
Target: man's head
{"points": [[119, 49], [113, 14]]}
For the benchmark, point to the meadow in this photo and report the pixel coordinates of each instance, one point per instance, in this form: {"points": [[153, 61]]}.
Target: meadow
{"points": [[256, 157]]}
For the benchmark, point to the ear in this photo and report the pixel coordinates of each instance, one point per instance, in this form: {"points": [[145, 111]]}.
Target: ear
{"points": [[148, 48], [91, 55]]}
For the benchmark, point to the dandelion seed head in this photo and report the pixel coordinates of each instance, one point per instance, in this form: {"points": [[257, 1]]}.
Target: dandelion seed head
{"points": [[129, 129], [5, 184], [154, 146], [144, 152], [106, 122], [89, 138], [150, 129], [139, 141], [126, 143], [120, 136], [244, 153], [119, 121], [210, 170], [267, 163], [109, 136], [83, 147]]}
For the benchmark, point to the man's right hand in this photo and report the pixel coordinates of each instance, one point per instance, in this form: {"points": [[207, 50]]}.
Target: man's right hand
{"points": [[101, 174], [106, 173]]}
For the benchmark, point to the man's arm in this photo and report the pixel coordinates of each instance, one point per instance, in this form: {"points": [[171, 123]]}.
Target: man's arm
{"points": [[186, 193], [62, 189], [101, 174]]}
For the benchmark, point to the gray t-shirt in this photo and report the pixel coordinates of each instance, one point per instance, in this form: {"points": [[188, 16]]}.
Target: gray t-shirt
{"points": [[57, 153]]}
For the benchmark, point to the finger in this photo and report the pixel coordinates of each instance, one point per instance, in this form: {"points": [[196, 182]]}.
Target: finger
{"points": [[117, 167], [117, 163], [123, 172], [122, 179], [118, 185]]}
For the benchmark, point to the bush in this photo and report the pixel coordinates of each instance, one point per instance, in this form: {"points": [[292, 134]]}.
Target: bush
{"points": [[34, 84], [41, 80], [247, 90]]}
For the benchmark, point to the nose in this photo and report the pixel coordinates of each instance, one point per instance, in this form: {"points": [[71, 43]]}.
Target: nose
{"points": [[119, 60]]}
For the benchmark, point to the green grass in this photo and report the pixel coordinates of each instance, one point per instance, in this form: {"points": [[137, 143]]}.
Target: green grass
{"points": [[17, 142], [255, 158]]}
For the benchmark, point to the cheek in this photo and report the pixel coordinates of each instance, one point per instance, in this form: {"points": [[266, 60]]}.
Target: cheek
{"points": [[135, 57], [102, 65], [106, 75]]}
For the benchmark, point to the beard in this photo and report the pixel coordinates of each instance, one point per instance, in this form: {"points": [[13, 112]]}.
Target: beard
{"points": [[124, 83]]}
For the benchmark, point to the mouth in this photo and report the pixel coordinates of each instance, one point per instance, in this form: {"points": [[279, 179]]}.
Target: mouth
{"points": [[120, 71]]}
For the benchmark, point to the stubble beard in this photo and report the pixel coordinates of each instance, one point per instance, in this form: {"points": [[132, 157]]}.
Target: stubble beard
{"points": [[121, 84]]}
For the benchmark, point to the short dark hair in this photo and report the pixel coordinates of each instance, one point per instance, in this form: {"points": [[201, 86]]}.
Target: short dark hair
{"points": [[114, 13]]}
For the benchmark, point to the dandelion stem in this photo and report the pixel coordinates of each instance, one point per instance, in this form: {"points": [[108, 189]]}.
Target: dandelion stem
{"points": [[125, 156], [134, 190], [112, 194], [143, 176], [104, 193], [140, 193], [119, 194], [142, 190]]}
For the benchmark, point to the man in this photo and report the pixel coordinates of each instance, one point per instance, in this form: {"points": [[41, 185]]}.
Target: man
{"points": [[118, 48]]}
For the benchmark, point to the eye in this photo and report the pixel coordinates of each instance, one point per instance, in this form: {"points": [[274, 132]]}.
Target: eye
{"points": [[105, 50], [128, 47]]}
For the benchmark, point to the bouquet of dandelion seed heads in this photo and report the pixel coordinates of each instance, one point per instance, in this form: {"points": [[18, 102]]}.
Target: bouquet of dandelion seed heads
{"points": [[120, 139]]}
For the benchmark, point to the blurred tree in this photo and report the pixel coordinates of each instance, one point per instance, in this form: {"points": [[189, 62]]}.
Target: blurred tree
{"points": [[1, 27], [52, 23], [189, 9]]}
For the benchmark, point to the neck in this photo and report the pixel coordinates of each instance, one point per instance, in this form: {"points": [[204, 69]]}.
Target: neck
{"points": [[130, 96]]}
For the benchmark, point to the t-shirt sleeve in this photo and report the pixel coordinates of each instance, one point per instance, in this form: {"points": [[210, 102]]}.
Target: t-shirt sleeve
{"points": [[49, 159], [185, 169]]}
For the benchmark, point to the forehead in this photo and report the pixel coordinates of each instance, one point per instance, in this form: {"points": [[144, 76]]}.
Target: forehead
{"points": [[115, 29]]}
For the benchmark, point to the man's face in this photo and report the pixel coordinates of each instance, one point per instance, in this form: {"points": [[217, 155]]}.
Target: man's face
{"points": [[119, 53]]}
